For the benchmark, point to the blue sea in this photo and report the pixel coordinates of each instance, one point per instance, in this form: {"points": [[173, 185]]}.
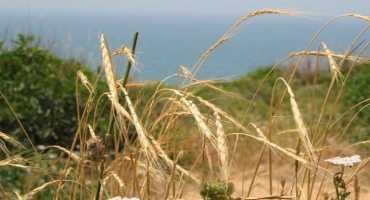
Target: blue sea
{"points": [[168, 41]]}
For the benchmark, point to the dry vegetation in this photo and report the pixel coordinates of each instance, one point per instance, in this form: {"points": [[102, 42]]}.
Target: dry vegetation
{"points": [[172, 144]]}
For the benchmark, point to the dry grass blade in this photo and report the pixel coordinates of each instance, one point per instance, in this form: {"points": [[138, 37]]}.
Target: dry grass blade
{"points": [[302, 130], [259, 131], [171, 164], [124, 50], [111, 79], [363, 17], [222, 147], [143, 139], [13, 161], [334, 55], [152, 148], [31, 194], [185, 73], [334, 68], [92, 132], [119, 108], [198, 118], [231, 31], [108, 68], [222, 113], [114, 175], [274, 146], [84, 81], [145, 143], [361, 166], [72, 155], [11, 140]]}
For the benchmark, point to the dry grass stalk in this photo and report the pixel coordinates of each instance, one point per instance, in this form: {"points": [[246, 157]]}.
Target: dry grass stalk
{"points": [[275, 146], [202, 125], [11, 140], [151, 147], [362, 17], [259, 131], [222, 147], [14, 162], [334, 55], [111, 79], [256, 169], [117, 179], [185, 73], [222, 113], [302, 130], [360, 166], [170, 163], [33, 192], [230, 33], [85, 81], [72, 155], [143, 139], [108, 68], [124, 50], [18, 121], [334, 68], [92, 132]]}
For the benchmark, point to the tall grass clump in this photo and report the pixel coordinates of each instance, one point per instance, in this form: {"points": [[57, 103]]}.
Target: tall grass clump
{"points": [[267, 135]]}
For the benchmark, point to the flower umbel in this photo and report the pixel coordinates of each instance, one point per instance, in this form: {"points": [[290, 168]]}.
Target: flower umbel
{"points": [[348, 161]]}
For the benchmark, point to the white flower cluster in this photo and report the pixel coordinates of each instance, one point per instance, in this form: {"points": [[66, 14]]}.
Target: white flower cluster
{"points": [[345, 161]]}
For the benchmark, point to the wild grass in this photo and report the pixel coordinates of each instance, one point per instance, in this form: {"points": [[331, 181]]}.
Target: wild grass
{"points": [[182, 139]]}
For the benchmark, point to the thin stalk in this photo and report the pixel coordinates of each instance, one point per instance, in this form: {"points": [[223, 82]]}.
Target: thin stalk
{"points": [[320, 187], [356, 188], [101, 170], [296, 168], [147, 179], [256, 170], [129, 63]]}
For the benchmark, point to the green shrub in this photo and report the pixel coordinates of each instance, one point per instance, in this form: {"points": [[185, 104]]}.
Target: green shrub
{"points": [[40, 88], [217, 190], [357, 90]]}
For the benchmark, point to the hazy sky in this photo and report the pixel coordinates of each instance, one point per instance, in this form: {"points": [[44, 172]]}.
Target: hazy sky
{"points": [[194, 7]]}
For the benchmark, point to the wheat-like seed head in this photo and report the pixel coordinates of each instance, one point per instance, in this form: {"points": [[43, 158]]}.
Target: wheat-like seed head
{"points": [[359, 16], [334, 55], [222, 147], [108, 68], [125, 51], [13, 161], [334, 68], [84, 80], [71, 154], [302, 130], [11, 140], [230, 33], [151, 147]]}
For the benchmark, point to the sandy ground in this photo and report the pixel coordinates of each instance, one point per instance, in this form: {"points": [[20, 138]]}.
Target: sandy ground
{"points": [[281, 174]]}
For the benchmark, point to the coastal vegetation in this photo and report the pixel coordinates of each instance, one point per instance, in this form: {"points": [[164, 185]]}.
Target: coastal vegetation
{"points": [[67, 132]]}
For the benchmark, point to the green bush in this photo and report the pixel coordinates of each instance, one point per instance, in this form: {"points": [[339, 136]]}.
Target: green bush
{"points": [[357, 90], [217, 190], [40, 87]]}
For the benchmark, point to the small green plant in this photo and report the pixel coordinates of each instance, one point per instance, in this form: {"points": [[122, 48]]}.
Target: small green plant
{"points": [[217, 190], [340, 187]]}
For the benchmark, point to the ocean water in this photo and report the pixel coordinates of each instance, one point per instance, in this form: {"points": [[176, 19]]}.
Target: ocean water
{"points": [[166, 42]]}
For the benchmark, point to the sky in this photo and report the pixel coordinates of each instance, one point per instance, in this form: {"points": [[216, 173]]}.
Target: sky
{"points": [[187, 7]]}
